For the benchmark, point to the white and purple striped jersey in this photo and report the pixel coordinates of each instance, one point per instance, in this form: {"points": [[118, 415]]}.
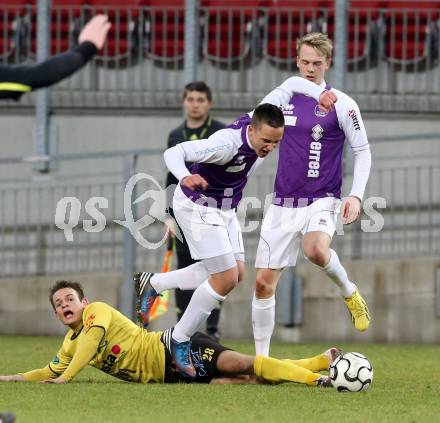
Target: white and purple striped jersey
{"points": [[226, 159], [310, 157], [226, 162]]}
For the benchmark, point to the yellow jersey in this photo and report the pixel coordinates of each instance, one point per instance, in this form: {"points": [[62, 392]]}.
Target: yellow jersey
{"points": [[126, 351]]}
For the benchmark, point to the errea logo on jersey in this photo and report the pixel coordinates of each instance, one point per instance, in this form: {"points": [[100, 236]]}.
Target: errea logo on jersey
{"points": [[288, 109], [315, 151]]}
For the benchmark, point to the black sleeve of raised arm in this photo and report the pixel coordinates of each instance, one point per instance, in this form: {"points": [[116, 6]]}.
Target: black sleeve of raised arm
{"points": [[45, 73]]}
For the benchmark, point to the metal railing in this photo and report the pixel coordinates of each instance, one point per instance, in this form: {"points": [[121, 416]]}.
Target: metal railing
{"points": [[31, 243], [392, 54]]}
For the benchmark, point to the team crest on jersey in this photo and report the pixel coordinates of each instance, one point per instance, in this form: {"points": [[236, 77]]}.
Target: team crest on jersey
{"points": [[238, 165], [319, 112]]}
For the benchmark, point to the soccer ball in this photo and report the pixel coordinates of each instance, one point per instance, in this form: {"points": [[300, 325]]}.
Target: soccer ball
{"points": [[351, 372]]}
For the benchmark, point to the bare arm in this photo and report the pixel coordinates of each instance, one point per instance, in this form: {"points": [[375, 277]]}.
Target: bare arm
{"points": [[282, 94], [86, 350], [12, 378]]}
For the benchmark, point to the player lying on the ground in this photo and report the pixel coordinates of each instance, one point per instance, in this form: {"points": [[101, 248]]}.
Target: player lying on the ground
{"points": [[101, 336]]}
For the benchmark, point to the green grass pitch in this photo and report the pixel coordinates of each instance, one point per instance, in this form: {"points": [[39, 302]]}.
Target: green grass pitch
{"points": [[406, 388]]}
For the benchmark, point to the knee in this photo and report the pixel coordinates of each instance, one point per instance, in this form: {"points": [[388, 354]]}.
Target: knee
{"points": [[233, 278], [316, 253], [240, 365], [240, 267], [263, 287]]}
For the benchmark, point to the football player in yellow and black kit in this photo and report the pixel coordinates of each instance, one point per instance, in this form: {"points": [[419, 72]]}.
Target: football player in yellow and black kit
{"points": [[101, 336]]}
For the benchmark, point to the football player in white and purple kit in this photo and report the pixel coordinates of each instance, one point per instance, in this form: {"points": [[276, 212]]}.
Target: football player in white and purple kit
{"points": [[204, 205], [308, 190]]}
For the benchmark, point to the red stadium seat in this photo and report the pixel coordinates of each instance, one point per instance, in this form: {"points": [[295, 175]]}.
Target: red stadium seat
{"points": [[15, 21], [285, 22], [229, 29], [164, 30], [124, 16], [411, 32], [66, 19], [362, 32]]}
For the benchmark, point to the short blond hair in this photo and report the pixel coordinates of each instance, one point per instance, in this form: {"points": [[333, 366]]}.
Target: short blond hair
{"points": [[318, 41]]}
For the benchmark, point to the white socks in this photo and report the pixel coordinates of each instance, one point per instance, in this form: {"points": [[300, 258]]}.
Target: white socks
{"points": [[338, 275], [203, 301], [189, 277], [263, 323]]}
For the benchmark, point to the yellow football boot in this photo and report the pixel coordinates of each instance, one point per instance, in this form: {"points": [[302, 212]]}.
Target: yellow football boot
{"points": [[359, 311]]}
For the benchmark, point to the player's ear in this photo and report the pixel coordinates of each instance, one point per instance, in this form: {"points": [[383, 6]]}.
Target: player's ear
{"points": [[85, 301]]}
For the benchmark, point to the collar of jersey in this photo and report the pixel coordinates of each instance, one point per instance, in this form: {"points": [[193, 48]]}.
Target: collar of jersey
{"points": [[248, 141]]}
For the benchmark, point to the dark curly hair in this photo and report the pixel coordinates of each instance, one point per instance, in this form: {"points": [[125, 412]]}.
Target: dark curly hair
{"points": [[66, 284]]}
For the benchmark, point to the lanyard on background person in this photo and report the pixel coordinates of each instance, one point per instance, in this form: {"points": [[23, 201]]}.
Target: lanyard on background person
{"points": [[202, 134]]}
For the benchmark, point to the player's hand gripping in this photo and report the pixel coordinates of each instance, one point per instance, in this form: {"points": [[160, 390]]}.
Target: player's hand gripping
{"points": [[351, 210], [326, 101], [194, 181], [95, 31]]}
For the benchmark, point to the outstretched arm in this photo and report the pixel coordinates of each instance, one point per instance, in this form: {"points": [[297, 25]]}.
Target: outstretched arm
{"points": [[282, 94], [16, 80], [36, 375], [12, 378], [86, 350]]}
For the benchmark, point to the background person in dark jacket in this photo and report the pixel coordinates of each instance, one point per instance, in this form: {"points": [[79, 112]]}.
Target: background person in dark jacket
{"points": [[198, 124]]}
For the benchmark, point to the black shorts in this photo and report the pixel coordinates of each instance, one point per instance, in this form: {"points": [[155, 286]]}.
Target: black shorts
{"points": [[204, 354]]}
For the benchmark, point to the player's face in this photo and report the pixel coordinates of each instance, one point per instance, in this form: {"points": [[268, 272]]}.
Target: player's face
{"points": [[312, 64], [68, 307], [265, 138], [196, 105]]}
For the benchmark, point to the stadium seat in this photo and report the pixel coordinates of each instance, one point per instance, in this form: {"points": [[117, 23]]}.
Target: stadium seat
{"points": [[362, 32], [410, 33], [285, 22], [122, 40], [164, 31], [231, 30], [15, 21], [66, 19]]}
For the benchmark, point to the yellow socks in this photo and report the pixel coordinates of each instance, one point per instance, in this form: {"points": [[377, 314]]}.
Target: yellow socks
{"points": [[314, 364], [274, 370]]}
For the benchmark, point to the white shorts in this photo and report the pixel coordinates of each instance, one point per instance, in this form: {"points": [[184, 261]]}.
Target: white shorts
{"points": [[209, 232], [283, 227]]}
